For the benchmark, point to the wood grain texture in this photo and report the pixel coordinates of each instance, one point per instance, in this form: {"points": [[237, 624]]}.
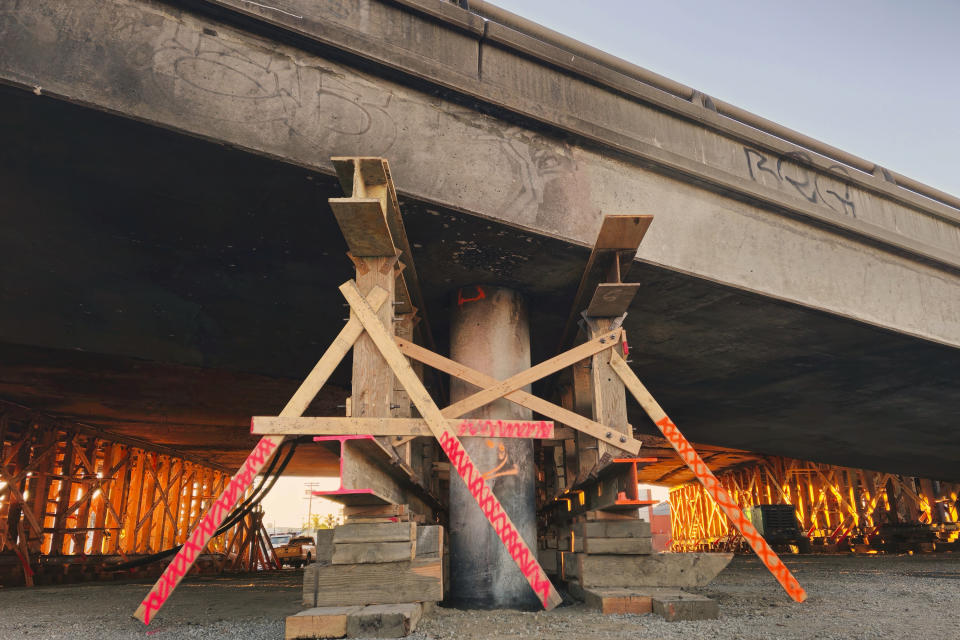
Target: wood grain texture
{"points": [[597, 344], [373, 382], [369, 552], [618, 546], [612, 529], [541, 406], [318, 622], [464, 427], [379, 532], [430, 541], [384, 620], [418, 580], [609, 394]]}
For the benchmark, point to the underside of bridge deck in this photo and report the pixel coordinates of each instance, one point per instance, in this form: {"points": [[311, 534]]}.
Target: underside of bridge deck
{"points": [[167, 287]]}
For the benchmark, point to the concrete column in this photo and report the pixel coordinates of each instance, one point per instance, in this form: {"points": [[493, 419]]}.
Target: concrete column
{"points": [[490, 332]]}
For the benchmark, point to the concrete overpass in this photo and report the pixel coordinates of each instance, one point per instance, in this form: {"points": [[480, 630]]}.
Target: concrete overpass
{"points": [[169, 260]]}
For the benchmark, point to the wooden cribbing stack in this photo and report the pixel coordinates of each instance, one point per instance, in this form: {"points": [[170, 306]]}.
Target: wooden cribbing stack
{"points": [[373, 576]]}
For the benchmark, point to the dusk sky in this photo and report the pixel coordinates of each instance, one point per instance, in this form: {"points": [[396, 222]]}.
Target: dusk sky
{"points": [[878, 79]]}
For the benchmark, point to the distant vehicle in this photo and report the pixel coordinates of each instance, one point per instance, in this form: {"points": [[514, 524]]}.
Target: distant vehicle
{"points": [[295, 551], [778, 525]]}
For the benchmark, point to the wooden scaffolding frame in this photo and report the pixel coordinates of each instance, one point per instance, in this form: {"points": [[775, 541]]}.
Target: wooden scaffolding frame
{"points": [[74, 496]]}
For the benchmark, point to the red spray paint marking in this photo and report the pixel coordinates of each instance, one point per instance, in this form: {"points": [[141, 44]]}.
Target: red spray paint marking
{"points": [[460, 299], [506, 428], [202, 533], [493, 511], [709, 481], [24, 562]]}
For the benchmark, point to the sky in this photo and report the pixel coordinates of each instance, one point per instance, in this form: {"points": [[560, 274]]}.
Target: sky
{"points": [[287, 505], [878, 79]]}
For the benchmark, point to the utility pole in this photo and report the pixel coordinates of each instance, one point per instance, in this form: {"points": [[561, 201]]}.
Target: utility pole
{"points": [[310, 486]]}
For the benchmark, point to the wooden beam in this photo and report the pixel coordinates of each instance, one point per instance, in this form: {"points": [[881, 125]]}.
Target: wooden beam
{"points": [[524, 399], [525, 558], [463, 427], [531, 375], [609, 401]]}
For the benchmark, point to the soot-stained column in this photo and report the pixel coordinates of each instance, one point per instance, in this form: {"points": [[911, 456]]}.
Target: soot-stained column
{"points": [[490, 332]]}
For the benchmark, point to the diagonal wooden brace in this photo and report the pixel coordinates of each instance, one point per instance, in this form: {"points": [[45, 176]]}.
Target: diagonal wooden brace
{"points": [[459, 459], [522, 379], [709, 481], [522, 398], [197, 540]]}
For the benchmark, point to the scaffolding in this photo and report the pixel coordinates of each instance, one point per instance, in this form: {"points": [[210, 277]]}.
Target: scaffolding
{"points": [[75, 499], [837, 507]]}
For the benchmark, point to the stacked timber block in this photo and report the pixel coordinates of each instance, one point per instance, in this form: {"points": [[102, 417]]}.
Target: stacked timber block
{"points": [[373, 575], [610, 565]]}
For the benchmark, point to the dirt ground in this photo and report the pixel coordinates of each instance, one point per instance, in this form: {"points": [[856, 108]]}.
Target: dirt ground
{"points": [[850, 597]]}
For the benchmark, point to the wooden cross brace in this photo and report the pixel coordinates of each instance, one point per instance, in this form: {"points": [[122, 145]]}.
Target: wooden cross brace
{"points": [[706, 478], [198, 539], [364, 319]]}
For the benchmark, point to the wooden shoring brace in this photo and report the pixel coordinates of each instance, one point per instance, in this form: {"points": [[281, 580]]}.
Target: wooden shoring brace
{"points": [[520, 397], [460, 460], [709, 481], [258, 458]]}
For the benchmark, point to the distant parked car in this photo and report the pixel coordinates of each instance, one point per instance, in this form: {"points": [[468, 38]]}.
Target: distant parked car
{"points": [[295, 551]]}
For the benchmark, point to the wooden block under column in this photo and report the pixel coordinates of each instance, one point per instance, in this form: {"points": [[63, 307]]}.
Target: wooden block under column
{"points": [[620, 600], [429, 541], [324, 539], [384, 620], [570, 567], [319, 622], [375, 511], [672, 570], [375, 532], [612, 529], [618, 546], [370, 552], [550, 560], [419, 580], [309, 593]]}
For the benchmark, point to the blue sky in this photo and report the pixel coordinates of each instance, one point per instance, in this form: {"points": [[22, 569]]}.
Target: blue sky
{"points": [[879, 79]]}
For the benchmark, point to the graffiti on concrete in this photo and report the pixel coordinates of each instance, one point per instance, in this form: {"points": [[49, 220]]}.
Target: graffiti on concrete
{"points": [[790, 172], [242, 85]]}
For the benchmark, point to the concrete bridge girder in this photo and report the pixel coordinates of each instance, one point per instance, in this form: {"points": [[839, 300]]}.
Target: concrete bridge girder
{"points": [[175, 69]]}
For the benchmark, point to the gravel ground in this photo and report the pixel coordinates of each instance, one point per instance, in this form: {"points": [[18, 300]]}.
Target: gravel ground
{"points": [[850, 597]]}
